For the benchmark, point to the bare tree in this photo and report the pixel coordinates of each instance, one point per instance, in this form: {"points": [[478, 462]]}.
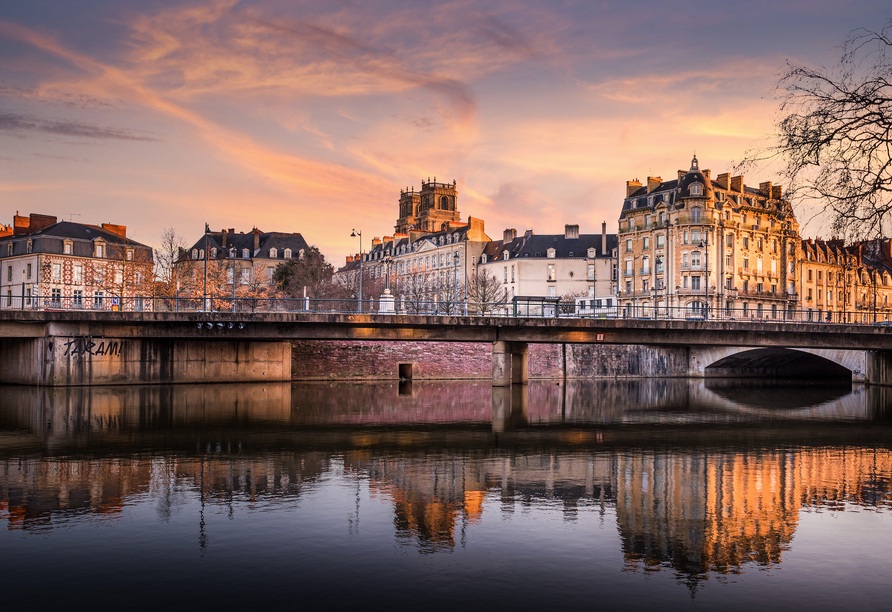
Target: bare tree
{"points": [[412, 288], [834, 134], [484, 292], [171, 248]]}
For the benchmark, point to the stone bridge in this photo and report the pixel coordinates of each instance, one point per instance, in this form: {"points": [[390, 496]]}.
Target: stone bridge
{"points": [[86, 348]]}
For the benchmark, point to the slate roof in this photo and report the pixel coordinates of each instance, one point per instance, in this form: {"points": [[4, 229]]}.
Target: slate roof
{"points": [[51, 240], [537, 245], [268, 240]]}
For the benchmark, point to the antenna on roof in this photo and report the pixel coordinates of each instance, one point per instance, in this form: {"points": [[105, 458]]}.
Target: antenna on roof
{"points": [[70, 215]]}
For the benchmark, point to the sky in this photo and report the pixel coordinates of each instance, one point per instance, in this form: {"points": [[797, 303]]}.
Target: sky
{"points": [[311, 117]]}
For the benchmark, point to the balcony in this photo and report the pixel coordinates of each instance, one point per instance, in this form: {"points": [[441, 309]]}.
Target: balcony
{"points": [[693, 267], [643, 270]]}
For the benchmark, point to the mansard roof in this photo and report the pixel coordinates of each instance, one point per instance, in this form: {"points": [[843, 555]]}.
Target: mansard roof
{"points": [[537, 245], [268, 240]]}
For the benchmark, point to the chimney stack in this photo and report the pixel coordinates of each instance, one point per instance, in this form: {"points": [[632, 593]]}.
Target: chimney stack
{"points": [[632, 187], [724, 180], [571, 232], [737, 183], [603, 238], [653, 182], [509, 235], [223, 238], [777, 192], [256, 233], [765, 188]]}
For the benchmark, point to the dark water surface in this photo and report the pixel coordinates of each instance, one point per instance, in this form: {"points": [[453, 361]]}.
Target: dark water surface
{"points": [[646, 495]]}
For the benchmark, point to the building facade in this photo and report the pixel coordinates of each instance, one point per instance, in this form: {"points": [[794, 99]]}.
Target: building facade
{"points": [[433, 209], [251, 259], [48, 264], [571, 266]]}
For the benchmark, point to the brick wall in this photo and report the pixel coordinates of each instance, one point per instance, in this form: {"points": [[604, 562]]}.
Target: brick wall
{"points": [[349, 360]]}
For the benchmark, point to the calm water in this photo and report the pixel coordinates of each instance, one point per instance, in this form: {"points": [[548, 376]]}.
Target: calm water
{"points": [[636, 495]]}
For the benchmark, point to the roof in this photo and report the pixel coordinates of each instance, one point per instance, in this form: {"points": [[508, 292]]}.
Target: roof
{"points": [[268, 240], [537, 245], [77, 231]]}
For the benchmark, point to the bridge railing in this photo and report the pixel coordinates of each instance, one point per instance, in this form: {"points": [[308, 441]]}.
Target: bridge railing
{"points": [[398, 305]]}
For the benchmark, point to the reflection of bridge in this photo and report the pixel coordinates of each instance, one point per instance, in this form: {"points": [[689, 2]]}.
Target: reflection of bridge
{"points": [[64, 348]]}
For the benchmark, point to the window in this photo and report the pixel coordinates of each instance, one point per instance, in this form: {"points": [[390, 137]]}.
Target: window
{"points": [[684, 260], [129, 255], [696, 214], [645, 265], [287, 253], [552, 292], [628, 246], [551, 272], [506, 274], [759, 244], [746, 242], [695, 259], [29, 271], [685, 282], [645, 243], [67, 248], [245, 253], [78, 301], [273, 253], [809, 276], [57, 271], [661, 241], [591, 272], [56, 298], [695, 236], [551, 253], [9, 274], [647, 219], [774, 289], [246, 275], [78, 273], [774, 246], [759, 287], [662, 214], [512, 274], [729, 240], [29, 246], [759, 265], [645, 285], [194, 253], [729, 283], [729, 261], [696, 190], [9, 248], [119, 277], [830, 296], [695, 283], [685, 241], [773, 267], [746, 263], [746, 286], [269, 275]]}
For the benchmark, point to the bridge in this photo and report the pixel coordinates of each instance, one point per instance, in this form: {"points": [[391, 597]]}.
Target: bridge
{"points": [[58, 348]]}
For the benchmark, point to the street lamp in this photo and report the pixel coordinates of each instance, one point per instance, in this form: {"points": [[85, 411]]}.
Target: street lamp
{"points": [[232, 254], [354, 234], [455, 258], [705, 243], [207, 230]]}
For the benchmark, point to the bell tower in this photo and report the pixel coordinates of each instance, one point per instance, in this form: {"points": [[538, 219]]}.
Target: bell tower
{"points": [[430, 210]]}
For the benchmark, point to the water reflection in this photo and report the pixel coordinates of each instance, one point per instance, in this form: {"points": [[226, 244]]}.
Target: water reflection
{"points": [[653, 457]]}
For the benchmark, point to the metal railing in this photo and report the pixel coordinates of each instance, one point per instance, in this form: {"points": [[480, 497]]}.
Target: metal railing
{"points": [[635, 310]]}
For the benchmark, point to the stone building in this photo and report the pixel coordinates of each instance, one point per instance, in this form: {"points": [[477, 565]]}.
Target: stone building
{"points": [[568, 265], [251, 258], [433, 209], [693, 242], [47, 263]]}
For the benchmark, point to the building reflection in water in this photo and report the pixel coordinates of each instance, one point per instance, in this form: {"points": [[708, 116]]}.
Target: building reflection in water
{"points": [[697, 509]]}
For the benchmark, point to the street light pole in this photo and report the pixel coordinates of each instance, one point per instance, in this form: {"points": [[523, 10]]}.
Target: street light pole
{"points": [[354, 234], [206, 230], [455, 282], [233, 254], [705, 242]]}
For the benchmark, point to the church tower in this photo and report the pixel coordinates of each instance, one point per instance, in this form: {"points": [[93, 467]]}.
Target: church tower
{"points": [[432, 209]]}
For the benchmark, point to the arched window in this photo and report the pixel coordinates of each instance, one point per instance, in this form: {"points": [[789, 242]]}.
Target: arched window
{"points": [[288, 254], [213, 252], [696, 189], [444, 203], [273, 253]]}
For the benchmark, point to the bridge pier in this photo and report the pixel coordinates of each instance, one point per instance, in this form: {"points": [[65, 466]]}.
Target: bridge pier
{"points": [[510, 407], [510, 363], [60, 361]]}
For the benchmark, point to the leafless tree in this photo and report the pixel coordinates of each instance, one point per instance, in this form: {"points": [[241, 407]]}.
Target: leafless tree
{"points": [[170, 250], [484, 292], [834, 135]]}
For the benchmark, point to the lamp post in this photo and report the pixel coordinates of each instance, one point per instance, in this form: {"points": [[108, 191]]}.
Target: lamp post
{"points": [[206, 230], [354, 234], [466, 272], [455, 258], [232, 253], [705, 242]]}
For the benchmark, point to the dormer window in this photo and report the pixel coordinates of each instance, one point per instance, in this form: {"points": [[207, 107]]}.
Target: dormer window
{"points": [[300, 254], [696, 189], [194, 253], [213, 252], [483, 258], [551, 253], [506, 255], [129, 255], [66, 248], [99, 250], [273, 253], [591, 253], [244, 253], [666, 197], [30, 247], [288, 254]]}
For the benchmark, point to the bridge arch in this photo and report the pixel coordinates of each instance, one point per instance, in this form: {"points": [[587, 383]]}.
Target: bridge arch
{"points": [[778, 362]]}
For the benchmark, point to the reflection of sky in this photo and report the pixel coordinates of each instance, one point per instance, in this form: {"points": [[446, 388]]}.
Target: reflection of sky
{"points": [[287, 115]]}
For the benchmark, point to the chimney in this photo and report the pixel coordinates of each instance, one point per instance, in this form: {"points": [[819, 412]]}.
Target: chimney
{"points": [[376, 241], [737, 183], [571, 232], [33, 223], [777, 192], [632, 187], [509, 235], [681, 174], [256, 233], [223, 238], [604, 238], [349, 259], [724, 180], [708, 174], [120, 230], [765, 188], [653, 182]]}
